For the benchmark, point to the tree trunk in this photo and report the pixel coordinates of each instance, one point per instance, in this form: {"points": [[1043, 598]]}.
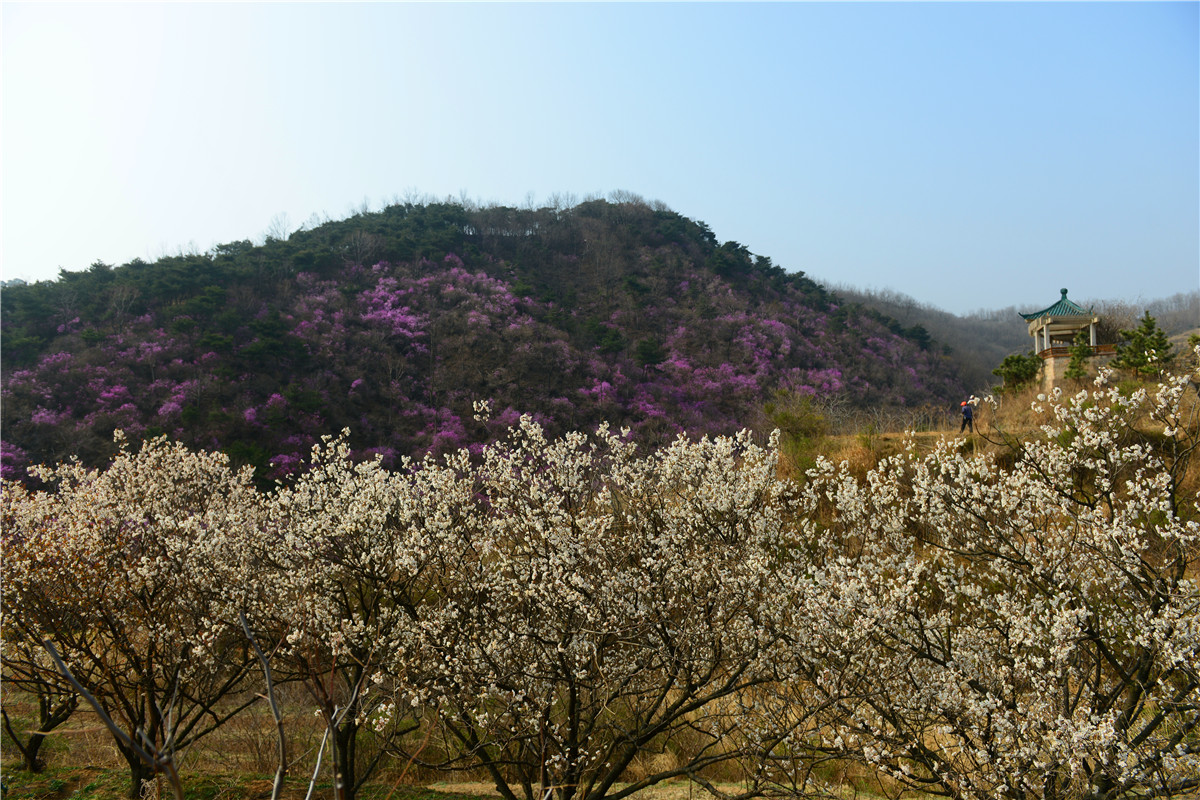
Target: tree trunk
{"points": [[344, 779], [30, 752], [141, 775], [50, 715]]}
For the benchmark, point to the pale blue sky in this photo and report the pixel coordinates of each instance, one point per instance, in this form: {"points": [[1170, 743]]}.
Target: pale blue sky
{"points": [[972, 155]]}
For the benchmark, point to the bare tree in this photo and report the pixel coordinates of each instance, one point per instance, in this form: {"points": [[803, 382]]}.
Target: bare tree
{"points": [[121, 298], [280, 228], [361, 247]]}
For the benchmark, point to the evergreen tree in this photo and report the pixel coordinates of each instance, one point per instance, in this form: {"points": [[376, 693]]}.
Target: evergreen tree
{"points": [[1146, 350], [1081, 351], [1018, 370]]}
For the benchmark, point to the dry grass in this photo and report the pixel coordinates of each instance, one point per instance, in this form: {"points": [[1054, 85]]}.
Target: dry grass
{"points": [[237, 761], [995, 430], [675, 790]]}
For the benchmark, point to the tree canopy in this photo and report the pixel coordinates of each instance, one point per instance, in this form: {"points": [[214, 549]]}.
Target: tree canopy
{"points": [[552, 611], [1145, 350]]}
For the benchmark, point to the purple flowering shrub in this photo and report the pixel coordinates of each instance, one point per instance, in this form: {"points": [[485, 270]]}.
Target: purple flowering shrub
{"points": [[602, 313], [13, 461]]}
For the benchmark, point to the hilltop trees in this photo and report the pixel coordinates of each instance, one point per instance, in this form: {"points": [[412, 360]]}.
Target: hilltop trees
{"points": [[393, 324]]}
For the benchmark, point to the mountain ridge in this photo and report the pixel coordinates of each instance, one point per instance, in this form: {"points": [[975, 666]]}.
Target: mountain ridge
{"points": [[393, 323]]}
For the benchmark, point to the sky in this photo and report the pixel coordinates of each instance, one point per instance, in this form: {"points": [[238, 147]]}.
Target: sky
{"points": [[970, 155]]}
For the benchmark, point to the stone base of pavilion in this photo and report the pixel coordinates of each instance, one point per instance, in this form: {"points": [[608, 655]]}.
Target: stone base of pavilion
{"points": [[1056, 361]]}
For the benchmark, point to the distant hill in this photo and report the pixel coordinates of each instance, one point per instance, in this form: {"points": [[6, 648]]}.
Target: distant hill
{"points": [[393, 324], [979, 341]]}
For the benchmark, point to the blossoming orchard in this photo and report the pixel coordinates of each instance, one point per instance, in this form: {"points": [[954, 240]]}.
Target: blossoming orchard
{"points": [[561, 614]]}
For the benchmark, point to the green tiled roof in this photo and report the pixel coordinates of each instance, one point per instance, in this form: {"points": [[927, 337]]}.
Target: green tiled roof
{"points": [[1063, 308]]}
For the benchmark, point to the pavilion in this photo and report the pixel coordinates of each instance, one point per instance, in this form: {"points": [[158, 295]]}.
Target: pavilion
{"points": [[1054, 329]]}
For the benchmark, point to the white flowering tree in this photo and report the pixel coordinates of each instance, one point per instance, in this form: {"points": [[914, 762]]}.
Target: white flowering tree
{"points": [[606, 617], [1025, 627], [127, 574], [350, 560], [583, 621]]}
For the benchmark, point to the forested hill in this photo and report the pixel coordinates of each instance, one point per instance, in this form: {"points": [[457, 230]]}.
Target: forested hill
{"points": [[393, 323]]}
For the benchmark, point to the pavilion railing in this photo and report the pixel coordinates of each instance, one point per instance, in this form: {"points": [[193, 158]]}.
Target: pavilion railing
{"points": [[1061, 352]]}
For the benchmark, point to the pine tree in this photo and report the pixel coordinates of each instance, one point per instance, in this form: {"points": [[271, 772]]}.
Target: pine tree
{"points": [[1146, 350], [1081, 351], [1018, 370]]}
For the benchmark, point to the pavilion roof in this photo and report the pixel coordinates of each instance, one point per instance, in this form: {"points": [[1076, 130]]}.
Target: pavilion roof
{"points": [[1063, 308]]}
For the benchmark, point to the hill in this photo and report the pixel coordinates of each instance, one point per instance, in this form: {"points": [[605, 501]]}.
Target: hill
{"points": [[393, 324]]}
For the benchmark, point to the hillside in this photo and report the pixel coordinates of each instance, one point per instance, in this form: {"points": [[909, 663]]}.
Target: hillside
{"points": [[393, 324]]}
